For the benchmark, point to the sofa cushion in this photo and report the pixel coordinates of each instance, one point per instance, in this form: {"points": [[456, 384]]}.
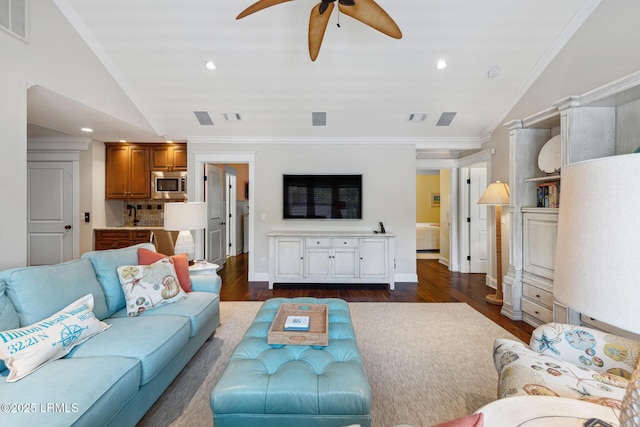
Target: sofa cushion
{"points": [[38, 292], [105, 264], [148, 286], [153, 340], [180, 262], [522, 371], [26, 349], [8, 316], [85, 391], [199, 307]]}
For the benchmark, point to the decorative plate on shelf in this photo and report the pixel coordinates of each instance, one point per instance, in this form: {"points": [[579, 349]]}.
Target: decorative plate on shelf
{"points": [[549, 157]]}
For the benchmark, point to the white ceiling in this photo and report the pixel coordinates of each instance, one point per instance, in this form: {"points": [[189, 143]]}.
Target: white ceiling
{"points": [[367, 83]]}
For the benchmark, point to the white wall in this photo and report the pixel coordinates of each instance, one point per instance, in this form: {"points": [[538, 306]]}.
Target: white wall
{"points": [[388, 190], [13, 173], [601, 51], [65, 65]]}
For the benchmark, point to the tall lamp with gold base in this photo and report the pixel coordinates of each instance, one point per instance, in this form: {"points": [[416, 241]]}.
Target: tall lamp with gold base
{"points": [[497, 194], [598, 249]]}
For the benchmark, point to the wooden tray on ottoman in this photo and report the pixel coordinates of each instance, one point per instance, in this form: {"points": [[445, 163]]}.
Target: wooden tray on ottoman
{"points": [[318, 325]]}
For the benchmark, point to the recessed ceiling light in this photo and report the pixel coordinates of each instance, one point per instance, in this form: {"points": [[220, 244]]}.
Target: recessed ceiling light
{"points": [[493, 72], [88, 130], [442, 64], [417, 117], [210, 65]]}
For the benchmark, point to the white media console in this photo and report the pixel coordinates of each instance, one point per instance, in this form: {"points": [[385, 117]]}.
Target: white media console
{"points": [[328, 257]]}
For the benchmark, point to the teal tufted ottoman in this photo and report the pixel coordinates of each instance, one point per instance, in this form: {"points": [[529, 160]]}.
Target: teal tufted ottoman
{"points": [[286, 386]]}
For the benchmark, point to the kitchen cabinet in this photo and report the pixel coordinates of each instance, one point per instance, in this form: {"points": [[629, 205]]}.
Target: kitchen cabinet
{"points": [[127, 171], [327, 257], [116, 239], [168, 157]]}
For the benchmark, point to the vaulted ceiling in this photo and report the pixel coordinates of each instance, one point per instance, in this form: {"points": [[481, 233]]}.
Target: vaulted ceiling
{"points": [[367, 84]]}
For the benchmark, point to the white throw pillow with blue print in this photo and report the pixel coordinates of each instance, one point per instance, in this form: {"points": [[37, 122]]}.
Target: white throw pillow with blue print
{"points": [[26, 349], [149, 286]]}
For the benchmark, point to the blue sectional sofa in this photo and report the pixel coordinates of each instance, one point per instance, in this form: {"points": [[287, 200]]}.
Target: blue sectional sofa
{"points": [[114, 377]]}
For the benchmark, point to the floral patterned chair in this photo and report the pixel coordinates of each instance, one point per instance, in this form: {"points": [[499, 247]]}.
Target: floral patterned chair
{"points": [[568, 361]]}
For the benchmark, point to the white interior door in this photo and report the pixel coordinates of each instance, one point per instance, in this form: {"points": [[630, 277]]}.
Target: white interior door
{"points": [[49, 212], [478, 227], [231, 216], [216, 233]]}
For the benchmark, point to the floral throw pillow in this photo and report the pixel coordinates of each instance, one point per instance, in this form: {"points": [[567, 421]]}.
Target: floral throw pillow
{"points": [[149, 286], [26, 349]]}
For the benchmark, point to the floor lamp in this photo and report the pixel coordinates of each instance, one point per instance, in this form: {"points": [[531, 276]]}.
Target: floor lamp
{"points": [[598, 249], [497, 194]]}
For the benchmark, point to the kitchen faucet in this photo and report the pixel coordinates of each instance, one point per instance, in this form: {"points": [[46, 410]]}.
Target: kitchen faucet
{"points": [[135, 214]]}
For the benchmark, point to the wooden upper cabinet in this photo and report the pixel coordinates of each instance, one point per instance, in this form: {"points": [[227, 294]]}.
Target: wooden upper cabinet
{"points": [[169, 157], [127, 171]]}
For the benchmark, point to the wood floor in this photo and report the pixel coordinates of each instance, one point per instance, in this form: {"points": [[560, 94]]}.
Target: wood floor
{"points": [[435, 284]]}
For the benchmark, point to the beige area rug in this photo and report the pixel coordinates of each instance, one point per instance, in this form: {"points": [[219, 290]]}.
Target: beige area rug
{"points": [[426, 362]]}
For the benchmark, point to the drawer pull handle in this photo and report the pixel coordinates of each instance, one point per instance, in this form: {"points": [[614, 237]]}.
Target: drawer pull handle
{"points": [[537, 295], [536, 312]]}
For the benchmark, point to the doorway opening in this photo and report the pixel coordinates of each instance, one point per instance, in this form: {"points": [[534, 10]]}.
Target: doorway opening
{"points": [[243, 232], [226, 194]]}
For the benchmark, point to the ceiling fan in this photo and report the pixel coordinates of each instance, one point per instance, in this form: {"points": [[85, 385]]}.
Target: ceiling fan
{"points": [[366, 11]]}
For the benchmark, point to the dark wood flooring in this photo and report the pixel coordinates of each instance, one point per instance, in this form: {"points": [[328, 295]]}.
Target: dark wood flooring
{"points": [[435, 284]]}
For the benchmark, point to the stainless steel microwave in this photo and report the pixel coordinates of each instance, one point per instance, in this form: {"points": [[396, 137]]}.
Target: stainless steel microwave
{"points": [[168, 185]]}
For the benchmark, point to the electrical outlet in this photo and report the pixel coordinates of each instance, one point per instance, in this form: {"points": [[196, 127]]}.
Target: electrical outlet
{"points": [[263, 261]]}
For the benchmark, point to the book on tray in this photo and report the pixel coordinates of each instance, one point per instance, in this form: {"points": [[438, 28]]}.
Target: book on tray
{"points": [[296, 323]]}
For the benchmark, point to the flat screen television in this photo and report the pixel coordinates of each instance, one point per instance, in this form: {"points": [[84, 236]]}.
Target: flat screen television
{"points": [[322, 196]]}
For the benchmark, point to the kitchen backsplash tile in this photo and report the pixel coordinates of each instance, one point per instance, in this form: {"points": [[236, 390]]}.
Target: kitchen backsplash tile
{"points": [[150, 213]]}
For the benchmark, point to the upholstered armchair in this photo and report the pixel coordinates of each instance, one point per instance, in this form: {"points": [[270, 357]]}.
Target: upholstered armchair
{"points": [[568, 361]]}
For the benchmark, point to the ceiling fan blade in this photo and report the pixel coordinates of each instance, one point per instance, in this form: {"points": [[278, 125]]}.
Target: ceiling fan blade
{"points": [[258, 6], [370, 13], [317, 25]]}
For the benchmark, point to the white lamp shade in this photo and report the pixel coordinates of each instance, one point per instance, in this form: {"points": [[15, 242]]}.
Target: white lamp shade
{"points": [[598, 242], [185, 216], [497, 193]]}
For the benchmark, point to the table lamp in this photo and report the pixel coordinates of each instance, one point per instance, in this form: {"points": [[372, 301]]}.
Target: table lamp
{"points": [[497, 194], [184, 217], [598, 250]]}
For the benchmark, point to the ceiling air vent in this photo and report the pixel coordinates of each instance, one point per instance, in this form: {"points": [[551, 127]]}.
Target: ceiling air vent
{"points": [[319, 118], [13, 17], [445, 119], [204, 118], [417, 117]]}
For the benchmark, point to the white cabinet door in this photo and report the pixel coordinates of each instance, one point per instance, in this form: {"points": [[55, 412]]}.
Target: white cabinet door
{"points": [[317, 262], [539, 243], [374, 259], [345, 262], [289, 258]]}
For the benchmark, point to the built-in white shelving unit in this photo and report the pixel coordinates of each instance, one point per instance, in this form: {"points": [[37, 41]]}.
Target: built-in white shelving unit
{"points": [[599, 123]]}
